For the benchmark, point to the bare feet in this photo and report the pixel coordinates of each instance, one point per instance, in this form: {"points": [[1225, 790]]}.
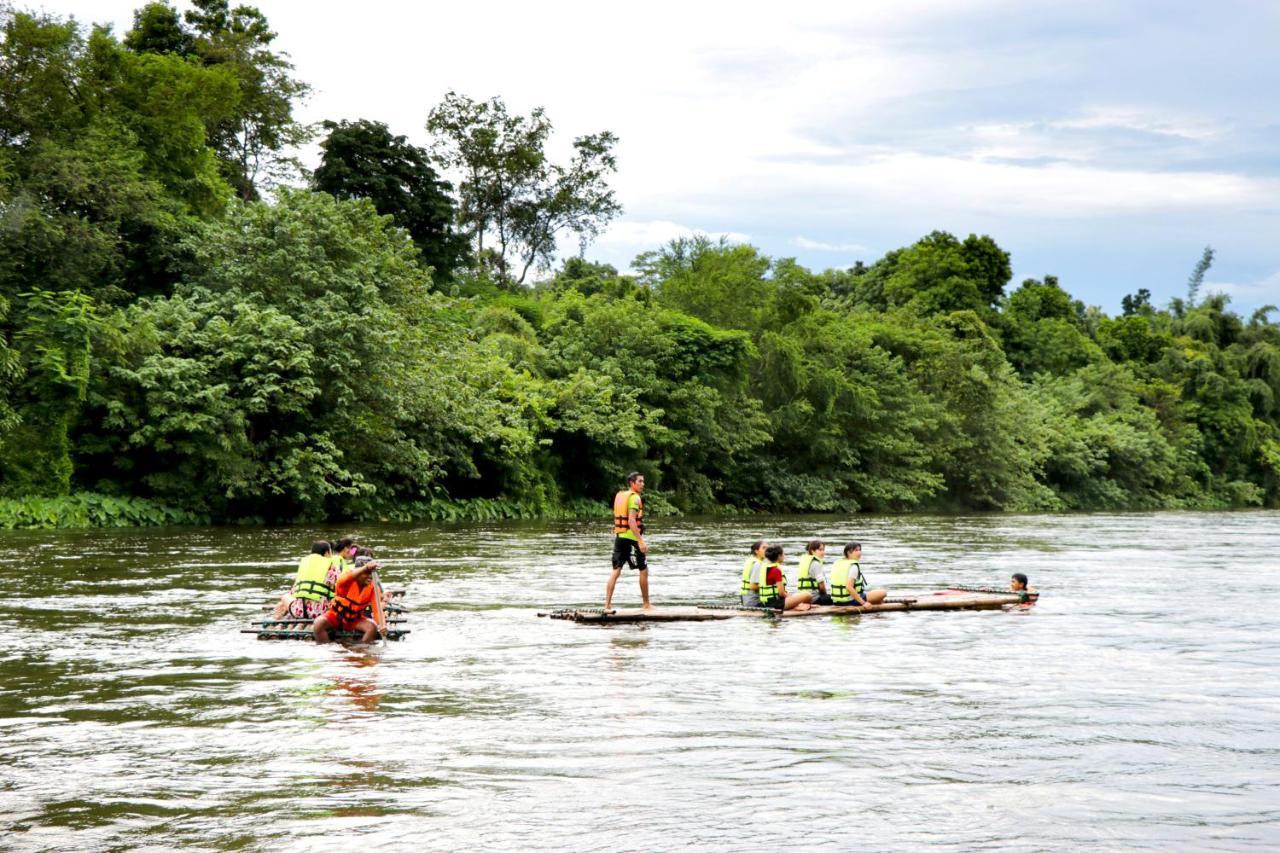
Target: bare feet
{"points": [[804, 605], [648, 606]]}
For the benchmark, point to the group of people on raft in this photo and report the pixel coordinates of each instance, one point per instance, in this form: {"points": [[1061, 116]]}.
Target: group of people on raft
{"points": [[336, 588], [764, 583]]}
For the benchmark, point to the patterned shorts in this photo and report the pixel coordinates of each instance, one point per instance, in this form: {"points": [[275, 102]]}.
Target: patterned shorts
{"points": [[306, 608]]}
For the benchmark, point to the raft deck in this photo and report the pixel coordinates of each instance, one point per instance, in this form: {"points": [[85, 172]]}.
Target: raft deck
{"points": [[951, 599], [290, 628]]}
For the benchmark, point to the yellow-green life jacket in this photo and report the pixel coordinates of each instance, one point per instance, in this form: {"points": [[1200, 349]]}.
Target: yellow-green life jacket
{"points": [[805, 580], [311, 582], [746, 575], [840, 584], [770, 590]]}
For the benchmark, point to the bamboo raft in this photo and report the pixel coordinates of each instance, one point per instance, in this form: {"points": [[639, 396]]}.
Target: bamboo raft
{"points": [[300, 629], [954, 598]]}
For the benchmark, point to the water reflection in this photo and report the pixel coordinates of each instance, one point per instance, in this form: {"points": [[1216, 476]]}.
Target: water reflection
{"points": [[357, 682]]}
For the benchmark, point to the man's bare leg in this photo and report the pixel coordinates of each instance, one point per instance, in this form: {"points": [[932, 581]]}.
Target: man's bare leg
{"points": [[320, 629], [877, 596], [369, 628], [644, 589], [608, 590]]}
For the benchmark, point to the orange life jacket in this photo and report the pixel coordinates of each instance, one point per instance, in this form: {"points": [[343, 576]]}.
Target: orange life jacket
{"points": [[621, 516], [351, 601]]}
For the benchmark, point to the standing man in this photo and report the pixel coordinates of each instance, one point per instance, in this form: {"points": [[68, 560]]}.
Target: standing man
{"points": [[628, 540]]}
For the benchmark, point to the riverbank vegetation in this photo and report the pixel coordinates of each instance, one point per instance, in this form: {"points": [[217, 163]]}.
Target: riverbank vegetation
{"points": [[194, 329]]}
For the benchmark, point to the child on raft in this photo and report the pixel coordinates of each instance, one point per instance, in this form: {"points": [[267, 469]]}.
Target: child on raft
{"points": [[848, 586], [773, 586]]}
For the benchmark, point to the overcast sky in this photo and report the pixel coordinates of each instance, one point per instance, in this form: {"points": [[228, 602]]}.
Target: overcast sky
{"points": [[1103, 142]]}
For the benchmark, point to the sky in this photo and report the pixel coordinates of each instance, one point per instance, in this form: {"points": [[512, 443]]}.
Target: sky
{"points": [[1106, 143]]}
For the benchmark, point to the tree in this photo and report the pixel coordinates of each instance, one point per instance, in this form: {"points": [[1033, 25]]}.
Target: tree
{"points": [[1044, 330], [254, 141], [361, 159], [1197, 276], [103, 159], [719, 283], [514, 202], [1136, 304], [940, 274]]}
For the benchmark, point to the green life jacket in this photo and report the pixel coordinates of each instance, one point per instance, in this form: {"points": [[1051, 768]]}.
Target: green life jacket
{"points": [[840, 584], [805, 579], [747, 566], [312, 580], [770, 590]]}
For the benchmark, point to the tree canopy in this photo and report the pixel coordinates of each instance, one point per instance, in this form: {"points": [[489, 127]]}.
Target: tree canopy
{"points": [[181, 341]]}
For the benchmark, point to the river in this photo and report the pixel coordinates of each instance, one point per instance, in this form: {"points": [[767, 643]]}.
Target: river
{"points": [[1137, 706]]}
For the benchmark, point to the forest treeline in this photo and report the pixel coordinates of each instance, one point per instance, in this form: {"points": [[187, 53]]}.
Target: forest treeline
{"points": [[195, 329]]}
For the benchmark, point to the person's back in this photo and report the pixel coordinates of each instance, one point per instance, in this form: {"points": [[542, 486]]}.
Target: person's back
{"points": [[313, 584], [848, 586], [811, 576], [773, 584], [752, 569]]}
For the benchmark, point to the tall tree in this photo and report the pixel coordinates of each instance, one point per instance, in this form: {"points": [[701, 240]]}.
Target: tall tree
{"points": [[515, 202], [361, 159], [254, 143], [1196, 280]]}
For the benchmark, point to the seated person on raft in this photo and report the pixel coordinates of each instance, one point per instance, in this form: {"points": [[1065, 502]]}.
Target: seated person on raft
{"points": [[773, 589], [312, 585], [848, 586], [812, 576], [749, 592], [345, 551], [356, 605]]}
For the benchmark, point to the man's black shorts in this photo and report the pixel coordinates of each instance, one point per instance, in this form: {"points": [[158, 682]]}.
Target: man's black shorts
{"points": [[627, 552]]}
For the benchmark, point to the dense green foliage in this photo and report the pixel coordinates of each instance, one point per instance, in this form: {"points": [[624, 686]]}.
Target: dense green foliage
{"points": [[361, 159], [175, 348]]}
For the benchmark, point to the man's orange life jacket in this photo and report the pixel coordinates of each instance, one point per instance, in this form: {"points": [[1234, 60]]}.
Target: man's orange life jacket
{"points": [[621, 518], [351, 601]]}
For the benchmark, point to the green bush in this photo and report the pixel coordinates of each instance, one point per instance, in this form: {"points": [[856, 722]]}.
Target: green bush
{"points": [[89, 509]]}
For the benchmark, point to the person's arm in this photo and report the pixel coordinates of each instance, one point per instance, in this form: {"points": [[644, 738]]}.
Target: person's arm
{"points": [[635, 527]]}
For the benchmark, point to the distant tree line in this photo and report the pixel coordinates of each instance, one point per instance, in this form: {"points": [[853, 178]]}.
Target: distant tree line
{"points": [[192, 328]]}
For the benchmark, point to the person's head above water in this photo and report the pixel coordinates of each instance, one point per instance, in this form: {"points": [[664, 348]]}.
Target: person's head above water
{"points": [[758, 546], [321, 547], [1018, 582], [815, 546], [852, 550], [773, 553]]}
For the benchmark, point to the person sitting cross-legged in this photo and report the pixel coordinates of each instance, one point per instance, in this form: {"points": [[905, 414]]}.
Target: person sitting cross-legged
{"points": [[848, 586]]}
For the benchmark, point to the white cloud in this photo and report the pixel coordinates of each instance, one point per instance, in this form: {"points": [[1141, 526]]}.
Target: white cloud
{"points": [[820, 246], [1145, 119], [872, 119], [1265, 291], [653, 234]]}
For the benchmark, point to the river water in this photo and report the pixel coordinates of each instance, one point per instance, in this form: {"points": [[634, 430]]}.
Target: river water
{"points": [[1137, 706]]}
